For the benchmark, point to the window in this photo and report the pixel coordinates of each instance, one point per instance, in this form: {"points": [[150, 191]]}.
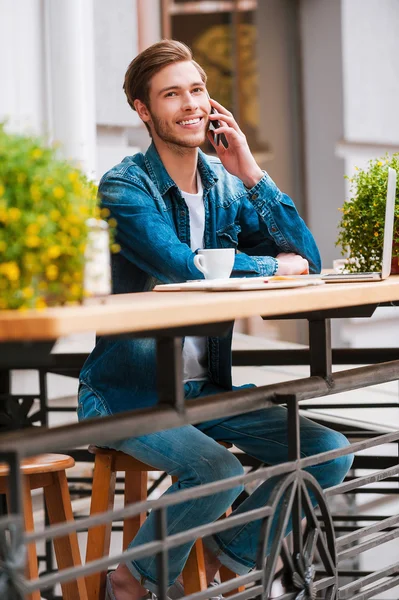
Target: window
{"points": [[223, 37]]}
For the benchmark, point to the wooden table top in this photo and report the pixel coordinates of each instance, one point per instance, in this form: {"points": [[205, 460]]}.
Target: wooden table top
{"points": [[148, 311]]}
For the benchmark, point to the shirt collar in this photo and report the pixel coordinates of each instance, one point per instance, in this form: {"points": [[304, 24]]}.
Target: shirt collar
{"points": [[161, 177]]}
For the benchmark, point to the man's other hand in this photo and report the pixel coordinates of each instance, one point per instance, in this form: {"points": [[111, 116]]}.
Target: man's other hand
{"points": [[291, 264]]}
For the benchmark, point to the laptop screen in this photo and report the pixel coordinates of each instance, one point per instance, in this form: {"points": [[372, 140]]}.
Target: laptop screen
{"points": [[388, 226]]}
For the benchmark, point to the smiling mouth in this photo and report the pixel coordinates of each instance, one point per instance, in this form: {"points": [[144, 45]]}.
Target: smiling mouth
{"points": [[190, 122]]}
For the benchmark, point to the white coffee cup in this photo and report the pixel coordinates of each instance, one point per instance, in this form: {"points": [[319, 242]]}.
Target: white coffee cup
{"points": [[215, 263]]}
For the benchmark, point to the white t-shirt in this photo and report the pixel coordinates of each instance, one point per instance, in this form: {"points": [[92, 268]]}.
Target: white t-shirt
{"points": [[195, 355]]}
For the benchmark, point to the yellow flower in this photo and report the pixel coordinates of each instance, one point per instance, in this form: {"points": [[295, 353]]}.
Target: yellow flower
{"points": [[58, 192], [77, 188], [112, 223], [105, 213], [380, 163], [42, 219], [48, 181], [3, 215], [14, 214], [40, 304], [52, 272], [2, 190], [10, 270], [115, 248], [83, 210], [32, 241], [32, 229], [73, 176], [66, 278], [42, 285], [73, 219], [376, 233], [55, 214], [36, 153], [35, 192], [75, 232], [28, 292], [54, 251], [75, 290], [29, 259]]}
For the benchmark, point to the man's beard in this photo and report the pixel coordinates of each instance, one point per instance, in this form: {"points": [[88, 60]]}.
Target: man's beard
{"points": [[163, 131]]}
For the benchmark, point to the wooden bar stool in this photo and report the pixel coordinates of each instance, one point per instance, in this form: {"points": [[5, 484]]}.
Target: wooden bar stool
{"points": [[47, 471], [106, 464]]}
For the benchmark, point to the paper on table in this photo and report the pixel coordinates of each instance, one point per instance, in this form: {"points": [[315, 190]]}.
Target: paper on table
{"points": [[240, 284]]}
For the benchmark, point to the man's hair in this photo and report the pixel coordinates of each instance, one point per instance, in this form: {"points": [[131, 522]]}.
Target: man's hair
{"points": [[143, 68]]}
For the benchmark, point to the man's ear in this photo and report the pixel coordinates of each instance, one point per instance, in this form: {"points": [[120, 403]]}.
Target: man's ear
{"points": [[142, 111]]}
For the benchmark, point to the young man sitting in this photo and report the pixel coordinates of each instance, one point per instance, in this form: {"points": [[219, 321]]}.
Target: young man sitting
{"points": [[168, 203]]}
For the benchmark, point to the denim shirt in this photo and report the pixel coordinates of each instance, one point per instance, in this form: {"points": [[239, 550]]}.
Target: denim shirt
{"points": [[154, 234]]}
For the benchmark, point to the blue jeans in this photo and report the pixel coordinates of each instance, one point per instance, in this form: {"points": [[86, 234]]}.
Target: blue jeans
{"points": [[191, 454]]}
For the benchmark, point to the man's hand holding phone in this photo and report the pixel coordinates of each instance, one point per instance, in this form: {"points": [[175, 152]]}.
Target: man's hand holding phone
{"points": [[236, 157]]}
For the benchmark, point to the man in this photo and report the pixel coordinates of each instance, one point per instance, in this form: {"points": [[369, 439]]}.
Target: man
{"points": [[168, 203]]}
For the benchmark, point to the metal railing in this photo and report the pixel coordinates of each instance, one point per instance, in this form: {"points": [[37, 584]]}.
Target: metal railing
{"points": [[317, 544]]}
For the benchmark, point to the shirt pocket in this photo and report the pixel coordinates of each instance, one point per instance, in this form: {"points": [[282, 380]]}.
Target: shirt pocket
{"points": [[228, 236]]}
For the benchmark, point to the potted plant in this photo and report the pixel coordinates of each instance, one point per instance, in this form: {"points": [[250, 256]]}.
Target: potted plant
{"points": [[45, 203], [362, 224]]}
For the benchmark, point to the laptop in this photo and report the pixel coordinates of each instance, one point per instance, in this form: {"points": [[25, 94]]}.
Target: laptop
{"points": [[387, 247]]}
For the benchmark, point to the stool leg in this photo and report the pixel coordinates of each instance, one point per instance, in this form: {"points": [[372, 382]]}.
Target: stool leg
{"points": [[66, 548], [227, 574], [98, 538], [32, 569], [135, 491], [194, 573]]}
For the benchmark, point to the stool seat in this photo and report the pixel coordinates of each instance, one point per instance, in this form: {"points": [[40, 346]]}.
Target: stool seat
{"points": [[45, 463], [47, 472]]}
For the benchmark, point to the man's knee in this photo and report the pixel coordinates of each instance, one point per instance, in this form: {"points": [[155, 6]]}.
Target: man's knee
{"points": [[222, 465], [334, 471]]}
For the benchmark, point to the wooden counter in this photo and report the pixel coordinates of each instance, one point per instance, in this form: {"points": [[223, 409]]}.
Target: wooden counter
{"points": [[156, 310]]}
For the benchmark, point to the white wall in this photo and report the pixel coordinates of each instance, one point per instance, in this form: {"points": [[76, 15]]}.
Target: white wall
{"points": [[116, 44], [320, 23], [22, 76], [370, 51]]}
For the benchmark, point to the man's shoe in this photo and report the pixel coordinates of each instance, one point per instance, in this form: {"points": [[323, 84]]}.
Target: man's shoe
{"points": [[109, 590], [176, 591]]}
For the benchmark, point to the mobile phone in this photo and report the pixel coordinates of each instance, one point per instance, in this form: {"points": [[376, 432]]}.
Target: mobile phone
{"points": [[214, 126]]}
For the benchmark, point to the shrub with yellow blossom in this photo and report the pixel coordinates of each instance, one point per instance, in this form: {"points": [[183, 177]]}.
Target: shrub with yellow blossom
{"points": [[363, 216], [44, 205]]}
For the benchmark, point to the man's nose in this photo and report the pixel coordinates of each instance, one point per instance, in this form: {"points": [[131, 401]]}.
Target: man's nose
{"points": [[189, 102]]}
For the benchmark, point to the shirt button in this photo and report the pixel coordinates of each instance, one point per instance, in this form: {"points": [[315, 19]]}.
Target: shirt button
{"points": [[182, 213], [255, 196], [274, 229]]}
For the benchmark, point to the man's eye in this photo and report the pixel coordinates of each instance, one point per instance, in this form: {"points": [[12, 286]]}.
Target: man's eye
{"points": [[170, 94], [198, 90]]}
